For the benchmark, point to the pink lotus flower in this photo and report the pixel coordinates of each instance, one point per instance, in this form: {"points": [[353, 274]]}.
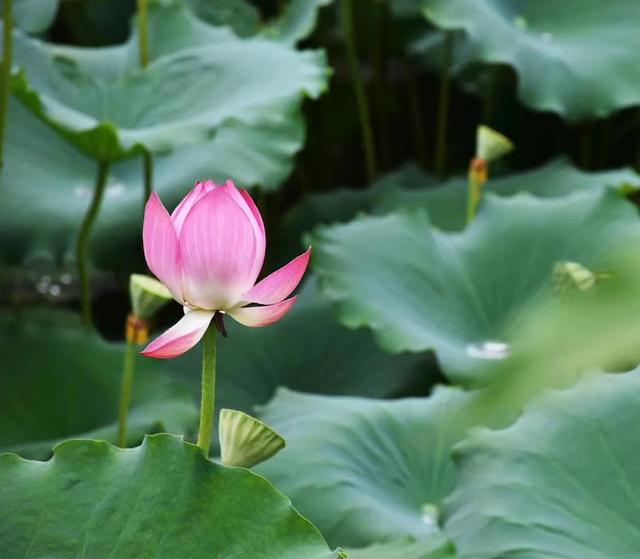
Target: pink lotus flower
{"points": [[209, 253]]}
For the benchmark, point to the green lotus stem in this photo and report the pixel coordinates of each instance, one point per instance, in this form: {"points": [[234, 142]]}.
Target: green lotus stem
{"points": [[478, 173], [143, 32], [473, 194], [443, 107], [147, 164], [208, 402], [143, 48], [346, 12], [84, 236], [7, 19], [415, 110], [128, 370]]}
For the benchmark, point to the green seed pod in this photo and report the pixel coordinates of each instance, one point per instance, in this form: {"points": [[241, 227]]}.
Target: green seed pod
{"points": [[246, 441], [570, 277], [491, 145], [147, 295]]}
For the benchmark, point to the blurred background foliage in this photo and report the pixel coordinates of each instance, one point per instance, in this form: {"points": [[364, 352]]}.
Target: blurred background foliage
{"points": [[352, 122]]}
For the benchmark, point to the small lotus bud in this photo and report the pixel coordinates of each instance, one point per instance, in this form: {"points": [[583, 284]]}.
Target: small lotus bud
{"points": [[245, 441], [491, 145], [147, 295], [568, 277]]}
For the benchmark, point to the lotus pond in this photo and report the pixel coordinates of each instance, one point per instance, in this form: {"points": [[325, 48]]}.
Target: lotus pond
{"points": [[312, 279]]}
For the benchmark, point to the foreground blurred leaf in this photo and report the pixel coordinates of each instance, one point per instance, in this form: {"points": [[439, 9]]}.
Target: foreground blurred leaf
{"points": [[464, 295], [572, 58], [59, 381], [306, 351], [385, 465], [561, 482], [200, 77], [162, 499]]}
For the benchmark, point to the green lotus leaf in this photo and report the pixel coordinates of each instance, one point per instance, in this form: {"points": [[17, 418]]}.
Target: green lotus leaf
{"points": [[570, 58], [161, 499], [385, 465], [464, 294], [254, 362], [426, 548], [34, 16], [242, 16], [411, 187], [59, 381], [47, 185], [200, 77], [297, 21], [561, 482]]}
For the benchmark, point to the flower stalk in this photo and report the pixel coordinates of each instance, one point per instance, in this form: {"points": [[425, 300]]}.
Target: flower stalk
{"points": [[143, 50], [7, 56], [208, 401], [147, 296], [143, 32], [137, 333], [478, 175], [84, 237], [443, 106], [346, 19], [490, 146]]}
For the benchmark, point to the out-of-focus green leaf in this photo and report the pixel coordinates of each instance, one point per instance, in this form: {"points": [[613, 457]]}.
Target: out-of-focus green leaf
{"points": [[297, 21], [464, 295], [47, 184], [410, 187], [200, 77], [425, 548], [384, 466], [34, 16], [306, 351], [59, 380], [561, 482], [161, 499], [572, 58], [242, 16]]}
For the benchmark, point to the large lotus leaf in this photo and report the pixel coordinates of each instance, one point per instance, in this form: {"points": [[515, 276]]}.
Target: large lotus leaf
{"points": [[383, 467], [561, 482], [574, 58], [161, 499], [241, 15], [297, 21], [34, 16], [307, 351], [202, 77], [426, 548], [47, 185], [464, 294], [410, 187], [59, 380]]}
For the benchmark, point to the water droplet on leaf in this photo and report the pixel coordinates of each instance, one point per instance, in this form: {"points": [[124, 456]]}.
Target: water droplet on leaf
{"points": [[488, 349]]}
